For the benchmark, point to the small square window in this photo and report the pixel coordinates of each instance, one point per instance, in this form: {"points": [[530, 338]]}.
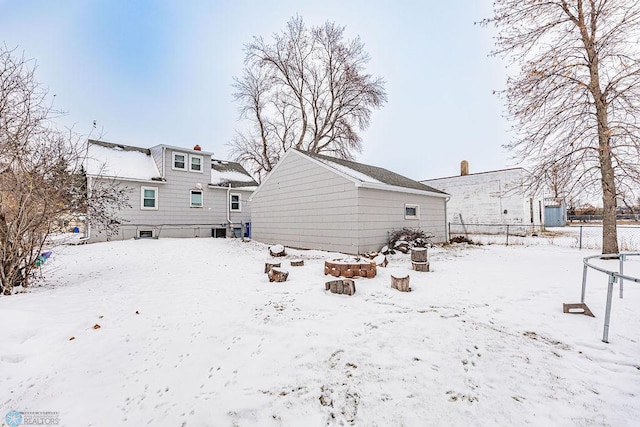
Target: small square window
{"points": [[411, 211], [195, 163], [196, 199], [235, 204], [149, 198], [179, 161]]}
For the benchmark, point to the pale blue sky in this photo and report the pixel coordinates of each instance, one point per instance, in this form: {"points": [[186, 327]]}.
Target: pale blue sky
{"points": [[154, 72]]}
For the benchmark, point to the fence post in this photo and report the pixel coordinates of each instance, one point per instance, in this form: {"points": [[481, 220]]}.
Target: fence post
{"points": [[507, 234], [580, 237]]}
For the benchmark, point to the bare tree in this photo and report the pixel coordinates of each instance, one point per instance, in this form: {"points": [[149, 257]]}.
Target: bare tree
{"points": [[306, 89], [40, 171], [576, 98]]}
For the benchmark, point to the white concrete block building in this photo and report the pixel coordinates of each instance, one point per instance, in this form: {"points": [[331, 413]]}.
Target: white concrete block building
{"points": [[490, 198]]}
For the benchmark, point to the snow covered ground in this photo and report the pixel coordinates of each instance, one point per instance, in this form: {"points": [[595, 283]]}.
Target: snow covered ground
{"points": [[192, 333], [575, 236]]}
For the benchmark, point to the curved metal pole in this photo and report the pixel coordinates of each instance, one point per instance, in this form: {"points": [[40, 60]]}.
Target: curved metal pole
{"points": [[607, 313], [613, 277], [584, 281]]}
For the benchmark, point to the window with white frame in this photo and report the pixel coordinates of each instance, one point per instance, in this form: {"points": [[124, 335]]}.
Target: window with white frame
{"points": [[179, 161], [149, 198], [195, 163], [235, 203], [196, 199], [411, 211]]}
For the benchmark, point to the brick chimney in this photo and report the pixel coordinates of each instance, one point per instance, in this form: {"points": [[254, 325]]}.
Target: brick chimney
{"points": [[464, 168], [197, 147]]}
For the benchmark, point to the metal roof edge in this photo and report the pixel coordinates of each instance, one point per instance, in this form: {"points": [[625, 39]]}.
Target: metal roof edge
{"points": [[119, 178], [387, 187]]}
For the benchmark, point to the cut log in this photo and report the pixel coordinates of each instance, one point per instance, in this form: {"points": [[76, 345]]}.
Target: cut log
{"points": [[277, 251], [269, 265], [400, 282], [419, 254], [297, 262], [402, 246], [344, 286], [277, 275], [420, 266], [381, 260]]}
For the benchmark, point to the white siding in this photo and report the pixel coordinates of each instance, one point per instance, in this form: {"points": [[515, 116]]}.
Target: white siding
{"points": [[174, 216], [304, 205], [156, 153], [380, 212], [488, 198]]}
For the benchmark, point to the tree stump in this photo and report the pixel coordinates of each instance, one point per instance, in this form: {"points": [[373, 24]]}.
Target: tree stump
{"points": [[344, 286], [400, 282], [419, 255], [277, 251], [277, 275], [297, 262], [269, 265], [420, 266]]}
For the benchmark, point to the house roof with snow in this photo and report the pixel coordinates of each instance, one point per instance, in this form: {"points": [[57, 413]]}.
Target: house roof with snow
{"points": [[111, 160], [225, 173], [371, 174], [126, 162]]}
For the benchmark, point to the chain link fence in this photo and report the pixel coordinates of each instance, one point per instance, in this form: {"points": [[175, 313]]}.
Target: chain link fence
{"points": [[574, 236]]}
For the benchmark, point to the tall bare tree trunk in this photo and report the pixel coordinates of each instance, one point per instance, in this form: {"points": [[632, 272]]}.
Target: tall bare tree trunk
{"points": [[609, 231]]}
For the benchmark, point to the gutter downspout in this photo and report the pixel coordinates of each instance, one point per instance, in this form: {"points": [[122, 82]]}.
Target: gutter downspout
{"points": [[446, 225], [87, 233], [229, 223]]}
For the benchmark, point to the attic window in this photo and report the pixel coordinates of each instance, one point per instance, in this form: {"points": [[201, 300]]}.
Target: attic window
{"points": [[179, 161], [411, 211], [195, 163]]}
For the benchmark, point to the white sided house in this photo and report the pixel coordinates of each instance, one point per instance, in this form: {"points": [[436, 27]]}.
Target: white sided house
{"points": [[487, 201], [312, 201], [173, 191]]}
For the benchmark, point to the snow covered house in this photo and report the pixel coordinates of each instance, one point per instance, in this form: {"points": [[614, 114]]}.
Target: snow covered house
{"points": [[483, 201], [312, 201], [173, 191]]}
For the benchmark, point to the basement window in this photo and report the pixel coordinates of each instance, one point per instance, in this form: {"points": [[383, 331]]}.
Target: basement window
{"points": [[145, 234], [411, 211]]}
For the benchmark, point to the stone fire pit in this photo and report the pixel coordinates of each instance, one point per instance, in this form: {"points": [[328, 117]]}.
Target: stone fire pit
{"points": [[350, 267]]}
